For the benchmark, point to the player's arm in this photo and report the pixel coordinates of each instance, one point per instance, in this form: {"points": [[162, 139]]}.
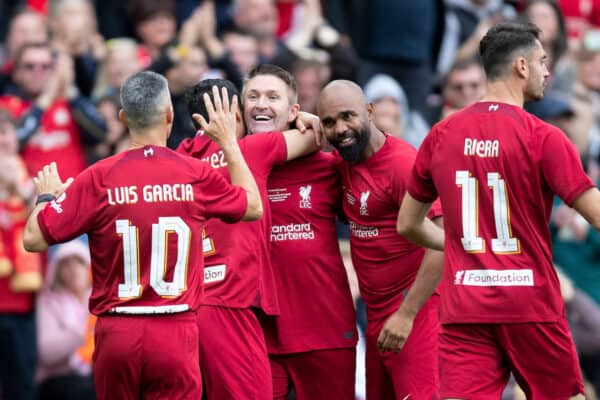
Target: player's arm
{"points": [[299, 144], [221, 129], [588, 205], [396, 329], [48, 185], [413, 224]]}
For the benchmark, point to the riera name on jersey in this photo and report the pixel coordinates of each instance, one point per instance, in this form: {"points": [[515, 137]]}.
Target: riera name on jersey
{"points": [[150, 193], [481, 148]]}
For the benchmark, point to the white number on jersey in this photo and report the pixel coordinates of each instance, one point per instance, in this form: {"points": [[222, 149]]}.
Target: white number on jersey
{"points": [[158, 258], [503, 243]]}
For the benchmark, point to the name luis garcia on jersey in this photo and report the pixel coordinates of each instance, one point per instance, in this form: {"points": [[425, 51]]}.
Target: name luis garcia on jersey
{"points": [[177, 192], [481, 148]]}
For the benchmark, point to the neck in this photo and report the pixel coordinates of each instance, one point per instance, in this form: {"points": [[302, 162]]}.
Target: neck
{"points": [[150, 137], [504, 91], [376, 142]]}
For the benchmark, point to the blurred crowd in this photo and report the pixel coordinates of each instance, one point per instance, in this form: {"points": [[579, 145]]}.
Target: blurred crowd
{"points": [[62, 63]]}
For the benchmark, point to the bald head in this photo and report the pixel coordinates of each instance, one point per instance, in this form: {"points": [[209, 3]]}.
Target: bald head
{"points": [[341, 89], [345, 117]]}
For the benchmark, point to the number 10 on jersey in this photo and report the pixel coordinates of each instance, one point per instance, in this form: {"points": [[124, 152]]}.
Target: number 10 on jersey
{"points": [[503, 243]]}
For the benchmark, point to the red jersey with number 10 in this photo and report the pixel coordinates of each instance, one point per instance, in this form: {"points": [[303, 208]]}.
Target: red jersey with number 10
{"points": [[144, 211], [496, 169]]}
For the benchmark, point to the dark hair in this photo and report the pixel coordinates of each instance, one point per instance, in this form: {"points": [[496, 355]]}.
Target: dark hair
{"points": [[502, 43], [142, 10], [559, 44], [274, 70], [194, 96], [461, 65]]}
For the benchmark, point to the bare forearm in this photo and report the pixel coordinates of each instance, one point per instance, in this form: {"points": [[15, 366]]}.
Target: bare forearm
{"points": [[33, 240], [428, 277], [425, 234], [241, 176]]}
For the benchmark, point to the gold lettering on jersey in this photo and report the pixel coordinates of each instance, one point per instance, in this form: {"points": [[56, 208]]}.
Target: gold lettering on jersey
{"points": [[481, 148], [178, 192]]}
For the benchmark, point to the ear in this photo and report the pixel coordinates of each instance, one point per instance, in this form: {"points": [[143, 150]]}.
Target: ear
{"points": [[293, 113], [521, 66], [370, 111], [122, 117], [169, 115]]}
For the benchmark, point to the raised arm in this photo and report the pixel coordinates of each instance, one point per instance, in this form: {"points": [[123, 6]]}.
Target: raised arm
{"points": [[221, 129]]}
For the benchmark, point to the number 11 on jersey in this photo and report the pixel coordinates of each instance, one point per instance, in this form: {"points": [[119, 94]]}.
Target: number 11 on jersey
{"points": [[503, 243]]}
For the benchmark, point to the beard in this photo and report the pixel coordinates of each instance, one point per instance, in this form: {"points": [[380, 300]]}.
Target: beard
{"points": [[353, 152]]}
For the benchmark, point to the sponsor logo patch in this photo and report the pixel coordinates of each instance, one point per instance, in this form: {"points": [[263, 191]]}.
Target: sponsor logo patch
{"points": [[494, 277]]}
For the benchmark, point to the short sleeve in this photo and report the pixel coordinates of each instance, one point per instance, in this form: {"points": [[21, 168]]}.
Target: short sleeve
{"points": [[219, 198], [73, 212], [420, 185], [263, 151], [561, 167]]}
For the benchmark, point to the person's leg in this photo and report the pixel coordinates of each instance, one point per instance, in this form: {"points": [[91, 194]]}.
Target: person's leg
{"points": [[414, 370], [543, 359], [18, 352], [233, 354], [472, 366], [67, 387], [379, 384], [323, 374], [117, 357], [280, 377]]}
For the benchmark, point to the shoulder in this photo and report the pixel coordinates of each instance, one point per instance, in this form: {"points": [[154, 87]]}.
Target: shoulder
{"points": [[258, 140], [194, 147]]}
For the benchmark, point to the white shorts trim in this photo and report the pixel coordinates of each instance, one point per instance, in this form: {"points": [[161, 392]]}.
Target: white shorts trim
{"points": [[145, 310]]}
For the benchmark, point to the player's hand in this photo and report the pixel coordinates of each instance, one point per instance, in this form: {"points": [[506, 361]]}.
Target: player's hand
{"points": [[305, 121], [221, 126], [394, 333], [48, 181]]}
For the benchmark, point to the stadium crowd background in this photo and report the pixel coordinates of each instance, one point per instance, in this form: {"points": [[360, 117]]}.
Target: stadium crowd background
{"points": [[63, 61]]}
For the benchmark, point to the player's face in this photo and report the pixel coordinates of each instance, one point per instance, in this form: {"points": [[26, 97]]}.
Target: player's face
{"points": [[346, 127], [538, 74], [267, 105]]}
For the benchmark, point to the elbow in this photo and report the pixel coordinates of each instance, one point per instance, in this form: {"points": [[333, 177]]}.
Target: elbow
{"points": [[402, 226], [32, 243]]}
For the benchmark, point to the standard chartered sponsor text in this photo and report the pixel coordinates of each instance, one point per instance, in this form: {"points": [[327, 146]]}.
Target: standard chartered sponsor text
{"points": [[292, 232], [362, 232]]}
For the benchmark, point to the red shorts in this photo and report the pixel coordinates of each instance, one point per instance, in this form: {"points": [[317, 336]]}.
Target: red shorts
{"points": [[476, 360], [233, 354], [315, 375], [413, 372], [147, 357]]}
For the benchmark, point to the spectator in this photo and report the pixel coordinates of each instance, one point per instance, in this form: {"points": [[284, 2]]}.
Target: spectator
{"points": [[20, 275], [585, 100], [154, 22], [391, 111], [25, 26], [242, 48], [580, 15], [120, 61], [310, 76], [547, 15], [116, 132], [74, 30], [463, 85], [65, 327], [56, 119]]}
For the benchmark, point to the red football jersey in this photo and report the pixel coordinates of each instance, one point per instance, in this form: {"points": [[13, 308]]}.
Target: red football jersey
{"points": [[237, 270], [386, 263], [57, 138], [314, 296], [496, 169], [143, 211]]}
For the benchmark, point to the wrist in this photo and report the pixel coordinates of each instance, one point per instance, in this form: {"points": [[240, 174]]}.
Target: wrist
{"points": [[44, 198]]}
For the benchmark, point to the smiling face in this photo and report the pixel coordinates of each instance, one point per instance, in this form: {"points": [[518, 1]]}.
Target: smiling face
{"points": [[345, 120], [268, 104]]}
